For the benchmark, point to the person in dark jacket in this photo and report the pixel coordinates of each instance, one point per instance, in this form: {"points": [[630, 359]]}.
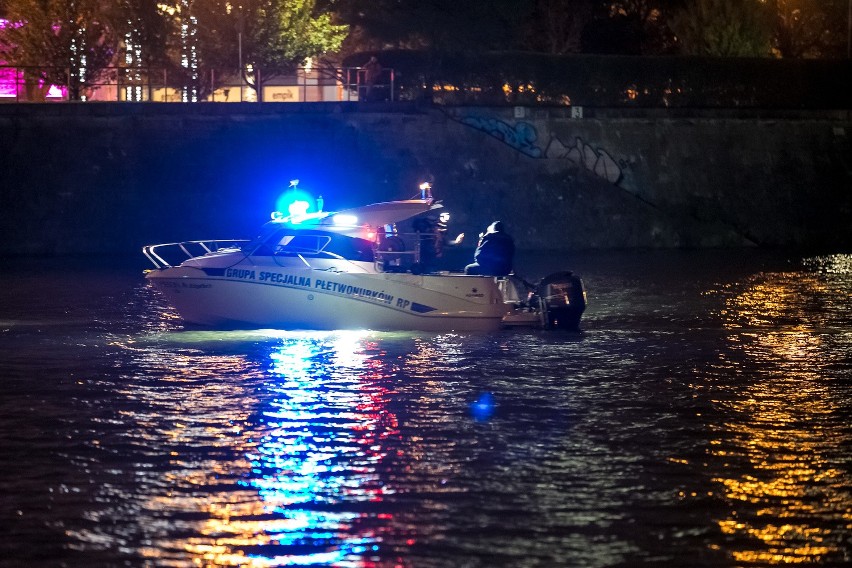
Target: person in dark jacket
{"points": [[494, 254], [432, 236]]}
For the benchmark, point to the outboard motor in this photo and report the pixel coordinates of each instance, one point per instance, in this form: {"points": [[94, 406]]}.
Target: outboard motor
{"points": [[562, 301]]}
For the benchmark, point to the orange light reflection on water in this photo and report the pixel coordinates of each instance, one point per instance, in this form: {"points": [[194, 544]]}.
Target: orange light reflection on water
{"points": [[794, 495]]}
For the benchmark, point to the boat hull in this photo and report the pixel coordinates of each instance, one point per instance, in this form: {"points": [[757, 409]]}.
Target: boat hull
{"points": [[290, 298]]}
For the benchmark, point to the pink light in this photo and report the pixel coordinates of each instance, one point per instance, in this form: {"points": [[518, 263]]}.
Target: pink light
{"points": [[8, 76], [7, 82], [56, 92], [5, 23], [9, 89]]}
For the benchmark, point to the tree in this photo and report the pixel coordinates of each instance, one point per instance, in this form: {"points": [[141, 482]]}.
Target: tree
{"points": [[265, 37], [556, 26], [59, 42], [147, 29], [631, 27], [723, 28], [146, 32], [441, 26], [804, 28]]}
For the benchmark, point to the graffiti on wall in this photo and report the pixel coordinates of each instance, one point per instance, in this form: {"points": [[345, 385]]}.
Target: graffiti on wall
{"points": [[596, 160], [522, 136]]}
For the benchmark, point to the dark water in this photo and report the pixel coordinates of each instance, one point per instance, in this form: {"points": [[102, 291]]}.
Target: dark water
{"points": [[701, 419]]}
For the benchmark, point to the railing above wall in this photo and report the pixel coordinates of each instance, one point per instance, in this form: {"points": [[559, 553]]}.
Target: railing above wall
{"points": [[501, 79], [510, 78], [119, 84]]}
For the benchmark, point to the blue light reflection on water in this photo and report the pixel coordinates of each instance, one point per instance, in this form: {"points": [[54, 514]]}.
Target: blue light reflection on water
{"points": [[313, 443], [317, 432], [299, 465], [483, 407]]}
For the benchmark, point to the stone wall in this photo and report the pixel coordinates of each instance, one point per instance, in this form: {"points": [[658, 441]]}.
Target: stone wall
{"points": [[92, 178]]}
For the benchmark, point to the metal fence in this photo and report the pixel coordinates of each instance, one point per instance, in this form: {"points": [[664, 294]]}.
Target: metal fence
{"points": [[119, 84], [506, 78]]}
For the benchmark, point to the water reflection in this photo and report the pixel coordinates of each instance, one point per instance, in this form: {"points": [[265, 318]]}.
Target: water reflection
{"points": [[525, 448], [287, 469], [316, 463], [784, 434]]}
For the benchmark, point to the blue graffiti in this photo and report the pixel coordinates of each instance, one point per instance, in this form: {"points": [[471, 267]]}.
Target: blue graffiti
{"points": [[521, 137]]}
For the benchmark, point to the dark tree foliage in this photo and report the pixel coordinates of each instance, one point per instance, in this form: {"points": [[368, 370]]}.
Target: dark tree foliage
{"points": [[723, 28], [59, 42], [556, 26], [547, 26], [803, 28], [618, 35], [808, 29], [148, 39], [151, 30], [440, 25], [631, 27]]}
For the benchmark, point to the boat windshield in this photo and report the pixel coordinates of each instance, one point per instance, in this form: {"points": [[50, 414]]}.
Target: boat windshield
{"points": [[292, 242], [296, 244]]}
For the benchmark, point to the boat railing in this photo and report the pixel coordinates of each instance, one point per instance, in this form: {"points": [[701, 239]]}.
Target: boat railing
{"points": [[181, 251], [400, 252]]}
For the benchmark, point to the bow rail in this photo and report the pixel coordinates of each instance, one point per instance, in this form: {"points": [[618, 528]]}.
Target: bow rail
{"points": [[185, 250]]}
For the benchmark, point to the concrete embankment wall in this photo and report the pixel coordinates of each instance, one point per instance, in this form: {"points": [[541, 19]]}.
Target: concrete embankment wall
{"points": [[92, 178]]}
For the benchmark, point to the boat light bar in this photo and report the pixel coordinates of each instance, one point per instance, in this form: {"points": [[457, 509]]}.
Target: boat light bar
{"points": [[298, 208]]}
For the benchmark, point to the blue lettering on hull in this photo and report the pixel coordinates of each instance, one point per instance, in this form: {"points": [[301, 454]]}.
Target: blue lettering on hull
{"points": [[290, 280]]}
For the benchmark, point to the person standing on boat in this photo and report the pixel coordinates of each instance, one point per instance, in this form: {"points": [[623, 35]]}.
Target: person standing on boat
{"points": [[427, 248], [441, 239], [432, 239], [494, 254]]}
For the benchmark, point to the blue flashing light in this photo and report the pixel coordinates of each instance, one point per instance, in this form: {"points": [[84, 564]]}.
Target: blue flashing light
{"points": [[296, 202], [298, 208]]}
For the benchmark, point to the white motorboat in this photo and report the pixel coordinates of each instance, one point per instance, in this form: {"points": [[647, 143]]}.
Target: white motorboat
{"points": [[355, 268]]}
